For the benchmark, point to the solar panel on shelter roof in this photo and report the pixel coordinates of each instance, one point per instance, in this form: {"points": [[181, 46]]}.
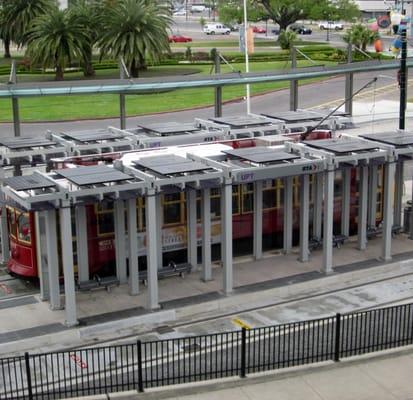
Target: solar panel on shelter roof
{"points": [[340, 146], [296, 116], [170, 164], [92, 175], [240, 121], [29, 182], [93, 135], [397, 139], [25, 142], [169, 128], [261, 155]]}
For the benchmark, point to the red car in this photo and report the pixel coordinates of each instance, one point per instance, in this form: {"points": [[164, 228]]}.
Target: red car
{"points": [[258, 29], [179, 39]]}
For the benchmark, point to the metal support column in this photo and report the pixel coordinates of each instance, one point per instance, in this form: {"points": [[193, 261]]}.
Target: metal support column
{"points": [[293, 82], [218, 89], [15, 101], [372, 200], [328, 220], [349, 83], [133, 248], [345, 206], [206, 234], [192, 240], [82, 243], [4, 231], [122, 97], [304, 217], [288, 214], [120, 241], [226, 237], [68, 269], [318, 206], [398, 200], [388, 203], [151, 250], [53, 260], [41, 255], [159, 223], [258, 220], [362, 208]]}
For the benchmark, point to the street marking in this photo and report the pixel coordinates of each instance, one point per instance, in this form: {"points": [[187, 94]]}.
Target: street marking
{"points": [[241, 323], [392, 86]]}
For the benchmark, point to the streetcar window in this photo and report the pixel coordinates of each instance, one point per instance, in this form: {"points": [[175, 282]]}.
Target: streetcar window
{"points": [[338, 184], [296, 196], [269, 194], [140, 214], [12, 222], [247, 197], [23, 222], [105, 218], [215, 197], [235, 199], [172, 208]]}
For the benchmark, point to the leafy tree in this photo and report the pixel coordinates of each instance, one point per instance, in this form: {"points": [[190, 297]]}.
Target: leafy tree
{"points": [[233, 11], [18, 16], [133, 30], [286, 12], [360, 36], [55, 40]]}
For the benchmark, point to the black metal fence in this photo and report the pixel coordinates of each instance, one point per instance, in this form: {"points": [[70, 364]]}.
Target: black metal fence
{"points": [[172, 361]]}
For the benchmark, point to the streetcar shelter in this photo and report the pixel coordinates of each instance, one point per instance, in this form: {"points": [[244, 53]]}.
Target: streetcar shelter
{"points": [[354, 159]]}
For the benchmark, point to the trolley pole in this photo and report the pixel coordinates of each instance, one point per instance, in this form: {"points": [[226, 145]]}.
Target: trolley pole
{"points": [[403, 81], [218, 89]]}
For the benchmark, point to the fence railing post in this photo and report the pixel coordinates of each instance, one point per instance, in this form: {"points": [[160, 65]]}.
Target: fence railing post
{"points": [[28, 375], [243, 370], [337, 340], [140, 377]]}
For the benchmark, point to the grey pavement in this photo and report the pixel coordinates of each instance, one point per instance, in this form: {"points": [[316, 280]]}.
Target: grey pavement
{"points": [[378, 376]]}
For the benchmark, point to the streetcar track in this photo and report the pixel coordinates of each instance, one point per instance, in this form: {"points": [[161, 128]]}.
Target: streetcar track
{"points": [[120, 339]]}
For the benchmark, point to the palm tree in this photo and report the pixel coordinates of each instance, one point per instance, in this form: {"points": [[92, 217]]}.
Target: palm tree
{"points": [[55, 40], [360, 36], [87, 12], [4, 31], [134, 30], [19, 14]]}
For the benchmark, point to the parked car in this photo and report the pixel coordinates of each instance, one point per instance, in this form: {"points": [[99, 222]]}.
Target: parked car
{"points": [[300, 29], [212, 29], [179, 39], [258, 29], [275, 31], [234, 28], [337, 26], [179, 13]]}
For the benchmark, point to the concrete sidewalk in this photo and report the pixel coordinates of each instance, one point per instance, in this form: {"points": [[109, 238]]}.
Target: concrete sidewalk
{"points": [[380, 376]]}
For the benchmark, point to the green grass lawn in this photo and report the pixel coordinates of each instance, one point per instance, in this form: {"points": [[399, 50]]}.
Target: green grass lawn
{"points": [[53, 108]]}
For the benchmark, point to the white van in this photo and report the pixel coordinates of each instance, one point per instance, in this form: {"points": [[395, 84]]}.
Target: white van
{"points": [[218, 28], [197, 8]]}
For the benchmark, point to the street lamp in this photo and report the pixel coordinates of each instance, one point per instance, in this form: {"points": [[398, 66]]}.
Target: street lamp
{"points": [[247, 66]]}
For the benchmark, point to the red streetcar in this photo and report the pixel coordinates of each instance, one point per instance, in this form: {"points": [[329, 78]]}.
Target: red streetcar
{"points": [[23, 226]]}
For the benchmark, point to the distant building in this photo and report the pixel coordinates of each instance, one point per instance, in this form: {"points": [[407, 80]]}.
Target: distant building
{"points": [[374, 8]]}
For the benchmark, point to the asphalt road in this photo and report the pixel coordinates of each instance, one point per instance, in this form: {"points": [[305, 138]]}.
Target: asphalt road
{"points": [[310, 96]]}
